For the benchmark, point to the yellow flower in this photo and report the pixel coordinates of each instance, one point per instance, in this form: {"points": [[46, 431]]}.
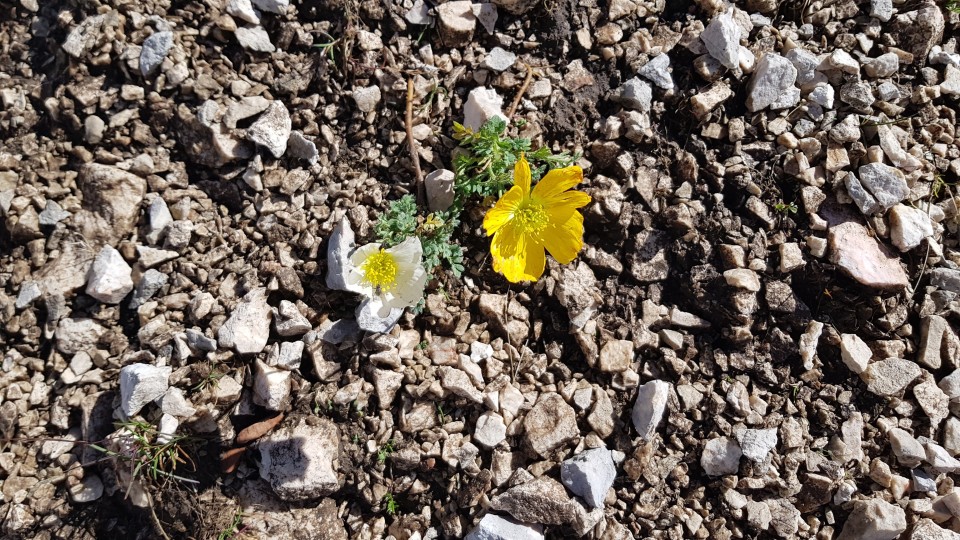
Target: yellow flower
{"points": [[524, 222]]}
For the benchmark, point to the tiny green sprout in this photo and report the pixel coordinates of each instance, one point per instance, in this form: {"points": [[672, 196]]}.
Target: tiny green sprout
{"points": [[234, 528], [953, 6], [440, 413], [384, 452], [785, 208], [391, 504]]}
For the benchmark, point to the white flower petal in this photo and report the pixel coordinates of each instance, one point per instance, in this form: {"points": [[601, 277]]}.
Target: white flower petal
{"points": [[359, 256], [407, 253], [409, 292]]}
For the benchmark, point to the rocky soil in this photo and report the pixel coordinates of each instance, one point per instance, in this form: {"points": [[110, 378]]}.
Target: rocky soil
{"points": [[758, 340]]}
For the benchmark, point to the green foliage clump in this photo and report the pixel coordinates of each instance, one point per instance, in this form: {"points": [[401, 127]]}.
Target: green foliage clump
{"points": [[401, 221], [485, 166]]}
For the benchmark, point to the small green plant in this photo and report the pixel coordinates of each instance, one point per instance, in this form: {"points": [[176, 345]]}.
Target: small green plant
{"points": [[390, 504], [785, 208], [440, 415], [210, 381], [152, 455], [328, 47], [953, 6], [485, 169], [401, 221], [385, 451], [234, 528]]}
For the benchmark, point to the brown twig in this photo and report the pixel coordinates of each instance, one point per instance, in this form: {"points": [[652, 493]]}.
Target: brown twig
{"points": [[523, 90], [414, 154]]}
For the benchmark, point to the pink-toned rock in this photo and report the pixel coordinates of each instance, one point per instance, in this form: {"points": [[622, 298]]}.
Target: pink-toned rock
{"points": [[864, 258]]}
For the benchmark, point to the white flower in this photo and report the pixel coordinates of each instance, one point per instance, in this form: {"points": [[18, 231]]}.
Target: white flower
{"points": [[392, 278]]}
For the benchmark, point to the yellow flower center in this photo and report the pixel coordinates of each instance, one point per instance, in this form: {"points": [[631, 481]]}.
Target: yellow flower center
{"points": [[380, 270], [531, 217]]}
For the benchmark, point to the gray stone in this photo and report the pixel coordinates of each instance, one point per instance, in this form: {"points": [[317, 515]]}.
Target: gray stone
{"points": [[78, 335], [300, 147], [806, 64], [29, 291], [339, 247], [649, 406], [111, 203], [755, 444], [490, 430], [140, 384], [367, 98], [616, 356], [499, 59], [86, 35], [154, 51], [272, 6], [286, 355], [906, 448], [874, 519], [456, 22], [289, 321], [636, 94], [200, 342], [773, 77], [254, 38], [881, 9], [857, 94], [882, 66], [301, 461], [439, 188], [243, 10], [93, 127], [855, 353], [890, 377], [52, 214], [886, 183], [550, 424], [272, 129], [158, 219], [927, 529], [657, 71], [90, 489], [867, 204], [720, 457], [150, 283], [248, 328], [722, 39], [494, 527], [271, 386], [589, 474]]}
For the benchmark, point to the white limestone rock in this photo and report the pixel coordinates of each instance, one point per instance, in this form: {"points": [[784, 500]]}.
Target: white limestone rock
{"points": [[140, 384], [649, 406], [855, 353], [495, 527], [301, 461], [909, 226], [755, 444], [482, 105], [272, 129], [589, 474], [722, 39], [109, 279], [874, 519], [772, 84], [721, 456], [248, 328]]}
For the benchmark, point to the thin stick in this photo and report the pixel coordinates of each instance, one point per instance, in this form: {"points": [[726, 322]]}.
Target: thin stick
{"points": [[414, 155], [523, 89]]}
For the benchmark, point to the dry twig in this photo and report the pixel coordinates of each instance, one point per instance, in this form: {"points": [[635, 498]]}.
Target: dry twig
{"points": [[414, 154], [523, 90]]}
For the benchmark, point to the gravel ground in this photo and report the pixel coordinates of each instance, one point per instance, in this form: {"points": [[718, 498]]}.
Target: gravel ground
{"points": [[756, 341]]}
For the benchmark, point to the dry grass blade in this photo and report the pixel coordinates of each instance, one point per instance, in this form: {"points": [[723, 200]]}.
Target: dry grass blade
{"points": [[412, 144], [257, 430]]}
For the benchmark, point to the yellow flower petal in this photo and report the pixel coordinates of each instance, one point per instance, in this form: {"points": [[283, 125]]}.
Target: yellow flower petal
{"points": [[557, 181], [571, 199], [565, 241], [516, 256], [521, 175], [503, 211]]}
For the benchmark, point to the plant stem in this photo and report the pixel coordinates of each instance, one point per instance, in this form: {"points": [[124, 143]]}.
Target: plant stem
{"points": [[523, 89], [414, 155]]}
